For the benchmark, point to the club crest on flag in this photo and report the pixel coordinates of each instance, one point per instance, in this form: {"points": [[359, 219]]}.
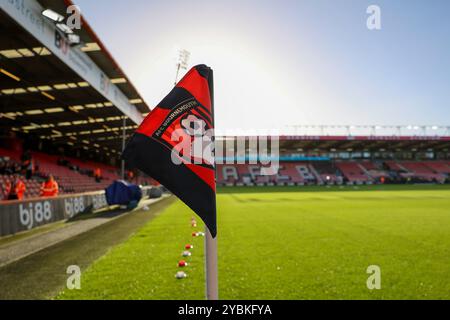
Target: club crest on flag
{"points": [[194, 142], [188, 132]]}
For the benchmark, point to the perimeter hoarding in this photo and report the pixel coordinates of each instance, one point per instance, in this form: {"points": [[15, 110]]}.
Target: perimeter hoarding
{"points": [[18, 216]]}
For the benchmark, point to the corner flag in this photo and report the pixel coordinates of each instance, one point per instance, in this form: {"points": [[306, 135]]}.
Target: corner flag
{"points": [[175, 144]]}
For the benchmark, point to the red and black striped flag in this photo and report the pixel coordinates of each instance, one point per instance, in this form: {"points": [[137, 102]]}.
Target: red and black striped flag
{"points": [[175, 144]]}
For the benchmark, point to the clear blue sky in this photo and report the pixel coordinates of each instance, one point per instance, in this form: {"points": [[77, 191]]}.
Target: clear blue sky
{"points": [[280, 63]]}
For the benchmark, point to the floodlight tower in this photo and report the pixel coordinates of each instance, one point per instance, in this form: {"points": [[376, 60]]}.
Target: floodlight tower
{"points": [[182, 62], [62, 26]]}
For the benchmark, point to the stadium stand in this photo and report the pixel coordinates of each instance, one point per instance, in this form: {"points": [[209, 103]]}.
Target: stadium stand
{"points": [[420, 170], [374, 169], [77, 176], [328, 172], [338, 172], [291, 175], [72, 175], [353, 172], [394, 166]]}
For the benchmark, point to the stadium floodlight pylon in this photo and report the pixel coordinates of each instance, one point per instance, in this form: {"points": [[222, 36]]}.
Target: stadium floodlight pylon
{"points": [[175, 146], [182, 62]]}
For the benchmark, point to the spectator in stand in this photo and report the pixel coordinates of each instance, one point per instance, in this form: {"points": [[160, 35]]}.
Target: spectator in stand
{"points": [[74, 167], [7, 193], [130, 175], [27, 164], [29, 169], [63, 162], [25, 160], [98, 175], [15, 190], [49, 188]]}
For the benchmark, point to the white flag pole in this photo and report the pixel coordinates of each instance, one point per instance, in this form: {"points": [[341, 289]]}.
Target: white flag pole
{"points": [[211, 273], [212, 283]]}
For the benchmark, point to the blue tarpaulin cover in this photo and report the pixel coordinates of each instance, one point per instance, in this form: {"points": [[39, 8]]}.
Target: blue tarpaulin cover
{"points": [[122, 193]]}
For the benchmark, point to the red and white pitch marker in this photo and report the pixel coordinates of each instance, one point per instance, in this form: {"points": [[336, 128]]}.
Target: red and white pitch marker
{"points": [[186, 254], [182, 264], [181, 275]]}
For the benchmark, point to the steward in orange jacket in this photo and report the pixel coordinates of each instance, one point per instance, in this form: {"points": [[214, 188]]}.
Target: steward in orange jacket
{"points": [[15, 190], [49, 188]]}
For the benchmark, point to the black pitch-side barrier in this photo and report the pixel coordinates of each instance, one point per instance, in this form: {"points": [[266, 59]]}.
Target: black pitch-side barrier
{"points": [[18, 216]]}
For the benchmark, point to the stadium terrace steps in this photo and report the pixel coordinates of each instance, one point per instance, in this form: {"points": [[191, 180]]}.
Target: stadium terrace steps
{"points": [[438, 167], [421, 170], [363, 169], [315, 173], [70, 181], [328, 172], [395, 166], [373, 170], [417, 167], [368, 165], [353, 171], [424, 170], [291, 172]]}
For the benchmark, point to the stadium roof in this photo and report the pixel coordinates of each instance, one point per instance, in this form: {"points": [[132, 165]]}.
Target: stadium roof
{"points": [[316, 144], [365, 143], [71, 95]]}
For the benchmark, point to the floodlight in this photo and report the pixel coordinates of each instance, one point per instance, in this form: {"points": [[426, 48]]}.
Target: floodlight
{"points": [[183, 58], [74, 39], [52, 15], [64, 28], [182, 61]]}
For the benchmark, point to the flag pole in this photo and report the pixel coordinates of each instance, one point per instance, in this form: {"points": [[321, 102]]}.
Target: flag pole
{"points": [[212, 284]]}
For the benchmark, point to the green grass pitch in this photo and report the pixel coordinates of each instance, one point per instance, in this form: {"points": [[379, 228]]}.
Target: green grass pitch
{"points": [[279, 243]]}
